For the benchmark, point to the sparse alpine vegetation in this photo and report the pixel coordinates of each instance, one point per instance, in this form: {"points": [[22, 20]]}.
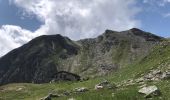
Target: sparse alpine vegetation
{"points": [[132, 65]]}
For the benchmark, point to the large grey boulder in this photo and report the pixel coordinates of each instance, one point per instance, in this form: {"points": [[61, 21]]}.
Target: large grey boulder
{"points": [[149, 91]]}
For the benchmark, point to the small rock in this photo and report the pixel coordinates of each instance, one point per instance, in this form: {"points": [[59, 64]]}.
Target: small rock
{"points": [[166, 75], [139, 80], [97, 87], [144, 85], [71, 99], [113, 94], [46, 98], [82, 89], [19, 89], [50, 96], [154, 72], [105, 84], [66, 93]]}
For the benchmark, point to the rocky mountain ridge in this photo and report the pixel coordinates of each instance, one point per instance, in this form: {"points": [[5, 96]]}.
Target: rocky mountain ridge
{"points": [[40, 59]]}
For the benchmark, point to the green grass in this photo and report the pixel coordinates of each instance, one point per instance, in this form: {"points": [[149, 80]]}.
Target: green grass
{"points": [[159, 58]]}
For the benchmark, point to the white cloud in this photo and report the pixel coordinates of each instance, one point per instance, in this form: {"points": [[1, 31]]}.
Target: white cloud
{"points": [[76, 19], [81, 18], [12, 37]]}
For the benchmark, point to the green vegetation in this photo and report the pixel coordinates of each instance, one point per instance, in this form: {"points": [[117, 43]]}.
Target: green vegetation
{"points": [[158, 58]]}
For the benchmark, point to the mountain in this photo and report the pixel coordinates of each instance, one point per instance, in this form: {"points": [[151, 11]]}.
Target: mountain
{"points": [[44, 57]]}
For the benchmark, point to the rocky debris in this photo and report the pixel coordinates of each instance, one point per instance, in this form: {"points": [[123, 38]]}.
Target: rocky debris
{"points": [[81, 89], [166, 75], [126, 83], [143, 85], [105, 84], [50, 96], [139, 80], [150, 91], [154, 75], [66, 93]]}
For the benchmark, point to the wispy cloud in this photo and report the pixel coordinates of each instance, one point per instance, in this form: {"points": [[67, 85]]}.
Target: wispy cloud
{"points": [[73, 18], [166, 15], [160, 3]]}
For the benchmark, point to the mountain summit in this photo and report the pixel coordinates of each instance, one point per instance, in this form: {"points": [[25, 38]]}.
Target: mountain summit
{"points": [[44, 57]]}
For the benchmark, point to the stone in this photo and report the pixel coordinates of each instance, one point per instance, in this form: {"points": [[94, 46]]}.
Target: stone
{"points": [[154, 72], [50, 96], [166, 75], [97, 87], [71, 99], [81, 89], [66, 93], [113, 94], [139, 80], [105, 84], [19, 89], [46, 98], [149, 91], [156, 75], [144, 85]]}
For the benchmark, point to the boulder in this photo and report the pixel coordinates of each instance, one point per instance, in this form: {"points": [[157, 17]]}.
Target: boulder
{"points": [[150, 91]]}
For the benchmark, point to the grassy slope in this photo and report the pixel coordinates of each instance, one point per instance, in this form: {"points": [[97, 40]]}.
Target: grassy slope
{"points": [[160, 57]]}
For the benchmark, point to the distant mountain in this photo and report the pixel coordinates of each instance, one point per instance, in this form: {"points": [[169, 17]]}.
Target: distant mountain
{"points": [[44, 57]]}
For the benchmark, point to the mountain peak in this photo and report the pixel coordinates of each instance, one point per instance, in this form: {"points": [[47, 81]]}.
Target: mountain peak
{"points": [[136, 30], [109, 31], [40, 59], [146, 35]]}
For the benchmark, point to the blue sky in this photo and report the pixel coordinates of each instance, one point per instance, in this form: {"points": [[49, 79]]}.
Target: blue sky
{"points": [[152, 17], [23, 20], [12, 15]]}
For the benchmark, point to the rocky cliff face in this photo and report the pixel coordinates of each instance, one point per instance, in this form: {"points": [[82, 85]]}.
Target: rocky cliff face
{"points": [[33, 62], [40, 59]]}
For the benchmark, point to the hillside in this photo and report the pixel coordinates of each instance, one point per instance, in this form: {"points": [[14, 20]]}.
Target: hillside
{"points": [[40, 60], [125, 80]]}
